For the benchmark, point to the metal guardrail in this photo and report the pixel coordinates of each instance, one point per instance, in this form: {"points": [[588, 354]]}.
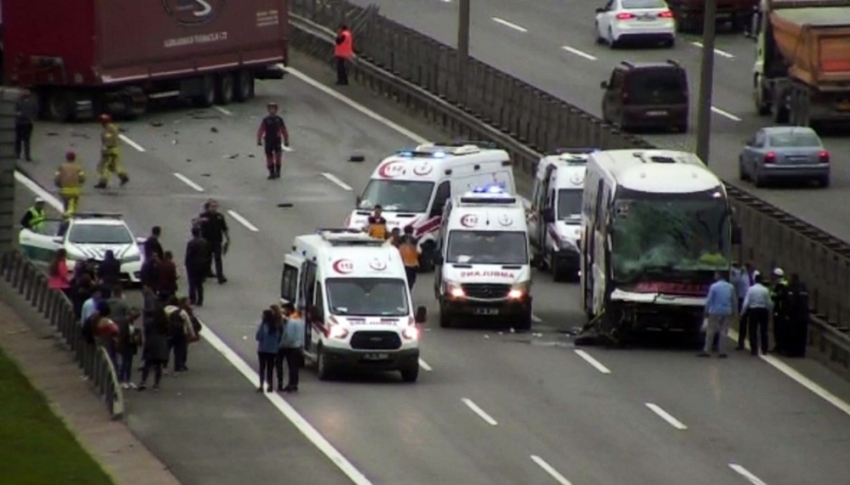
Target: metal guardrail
{"points": [[31, 283], [419, 73]]}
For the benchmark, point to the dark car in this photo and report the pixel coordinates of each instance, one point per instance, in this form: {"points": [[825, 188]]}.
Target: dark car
{"points": [[647, 95]]}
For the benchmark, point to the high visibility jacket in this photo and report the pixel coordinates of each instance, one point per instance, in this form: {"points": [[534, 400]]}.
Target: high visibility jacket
{"points": [[345, 47], [69, 175], [782, 282], [37, 218], [377, 227], [409, 253], [109, 137]]}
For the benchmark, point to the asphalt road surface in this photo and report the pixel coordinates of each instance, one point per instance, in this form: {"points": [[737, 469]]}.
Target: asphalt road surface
{"points": [[492, 407], [550, 44]]}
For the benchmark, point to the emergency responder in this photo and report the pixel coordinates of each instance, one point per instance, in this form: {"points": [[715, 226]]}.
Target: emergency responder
{"points": [[748, 275], [343, 52], [394, 238], [798, 317], [69, 178], [781, 311], [110, 154], [377, 225], [35, 216], [409, 251], [755, 311], [214, 229], [271, 133]]}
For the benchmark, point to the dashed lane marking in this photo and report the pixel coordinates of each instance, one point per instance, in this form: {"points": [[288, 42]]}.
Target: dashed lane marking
{"points": [[424, 366], [241, 220], [186, 180], [480, 412], [333, 178], [550, 470], [509, 25], [126, 139], [590, 360], [577, 52], [223, 110], [666, 416], [719, 52], [725, 114], [746, 474]]}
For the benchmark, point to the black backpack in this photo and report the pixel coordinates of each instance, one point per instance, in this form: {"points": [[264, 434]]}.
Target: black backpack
{"points": [[176, 324], [87, 331]]}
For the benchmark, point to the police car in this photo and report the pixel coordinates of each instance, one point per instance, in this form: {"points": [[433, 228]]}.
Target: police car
{"points": [[483, 262], [86, 236], [555, 224], [353, 290]]}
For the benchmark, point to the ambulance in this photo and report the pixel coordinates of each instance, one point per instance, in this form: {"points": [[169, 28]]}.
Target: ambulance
{"points": [[353, 292], [413, 186], [483, 263], [555, 222]]}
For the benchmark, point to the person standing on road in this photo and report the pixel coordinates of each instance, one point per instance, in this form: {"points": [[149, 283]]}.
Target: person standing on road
{"points": [[720, 307], [181, 331], [110, 154], [149, 273], [152, 244], [109, 273], [155, 349], [376, 225], [57, 275], [271, 134], [781, 311], [409, 251], [69, 179], [26, 111], [129, 339], [343, 53], [197, 262], [749, 274], [214, 230], [756, 312], [292, 346], [35, 216], [167, 272], [268, 344], [798, 317]]}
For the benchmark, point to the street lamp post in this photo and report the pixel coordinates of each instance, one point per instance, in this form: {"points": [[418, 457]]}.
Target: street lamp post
{"points": [[462, 49], [706, 81]]}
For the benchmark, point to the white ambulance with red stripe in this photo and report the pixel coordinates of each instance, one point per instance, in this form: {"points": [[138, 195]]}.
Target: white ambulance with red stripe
{"points": [[352, 290], [413, 186], [484, 263]]}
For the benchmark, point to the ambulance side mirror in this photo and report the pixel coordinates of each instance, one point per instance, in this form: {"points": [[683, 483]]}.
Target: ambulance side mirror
{"points": [[438, 259], [548, 215], [421, 315]]}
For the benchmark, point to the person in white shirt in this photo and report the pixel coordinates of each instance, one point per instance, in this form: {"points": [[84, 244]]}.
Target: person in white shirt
{"points": [[757, 308]]}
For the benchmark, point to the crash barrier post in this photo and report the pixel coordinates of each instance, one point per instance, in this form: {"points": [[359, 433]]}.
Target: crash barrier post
{"points": [[418, 73], [31, 284]]}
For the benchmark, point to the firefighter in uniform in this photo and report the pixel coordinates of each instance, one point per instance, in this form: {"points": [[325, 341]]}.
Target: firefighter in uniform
{"points": [[35, 216], [781, 311], [110, 154], [69, 178], [409, 251], [377, 225], [271, 133]]}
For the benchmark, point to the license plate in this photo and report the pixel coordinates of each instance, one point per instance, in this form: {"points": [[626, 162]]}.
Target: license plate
{"points": [[486, 311], [656, 113], [646, 18], [376, 356]]}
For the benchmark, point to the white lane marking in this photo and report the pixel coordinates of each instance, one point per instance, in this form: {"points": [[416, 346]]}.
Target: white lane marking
{"points": [[480, 412], [289, 412], [590, 360], [333, 178], [356, 106], [666, 416], [424, 366], [577, 52], [746, 474], [509, 25], [725, 114], [130, 142], [223, 111], [186, 180], [243, 221], [535, 318], [550, 470], [719, 52], [286, 148], [804, 381]]}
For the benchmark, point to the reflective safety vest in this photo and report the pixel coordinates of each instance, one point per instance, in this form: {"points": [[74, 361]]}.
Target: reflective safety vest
{"points": [[109, 137], [409, 254], [782, 282], [345, 49], [37, 219], [377, 227]]}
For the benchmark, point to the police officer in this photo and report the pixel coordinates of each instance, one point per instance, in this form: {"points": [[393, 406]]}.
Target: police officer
{"points": [[409, 251], [110, 154], [798, 317], [69, 178], [343, 52], [197, 262], [270, 134], [214, 229], [35, 216], [377, 225], [781, 311]]}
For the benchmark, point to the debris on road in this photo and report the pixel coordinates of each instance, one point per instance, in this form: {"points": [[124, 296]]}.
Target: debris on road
{"points": [[155, 124]]}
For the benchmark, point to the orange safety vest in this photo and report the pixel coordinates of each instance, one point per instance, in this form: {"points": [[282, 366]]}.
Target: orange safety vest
{"points": [[345, 49], [378, 228], [409, 254]]}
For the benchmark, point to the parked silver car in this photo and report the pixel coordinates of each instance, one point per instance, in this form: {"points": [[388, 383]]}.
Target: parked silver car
{"points": [[784, 152]]}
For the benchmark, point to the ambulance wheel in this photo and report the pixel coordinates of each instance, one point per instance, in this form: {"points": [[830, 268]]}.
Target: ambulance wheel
{"points": [[411, 374], [525, 321], [445, 318], [322, 366]]}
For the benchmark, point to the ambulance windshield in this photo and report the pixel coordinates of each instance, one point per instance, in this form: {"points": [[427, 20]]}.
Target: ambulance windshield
{"points": [[487, 247], [397, 195], [384, 297]]}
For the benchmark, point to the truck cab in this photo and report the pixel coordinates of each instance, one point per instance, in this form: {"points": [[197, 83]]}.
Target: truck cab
{"points": [[353, 291]]}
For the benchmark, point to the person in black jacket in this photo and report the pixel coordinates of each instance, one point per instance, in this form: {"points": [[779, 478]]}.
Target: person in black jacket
{"points": [[152, 244], [109, 273], [798, 318], [214, 229], [197, 261], [150, 273]]}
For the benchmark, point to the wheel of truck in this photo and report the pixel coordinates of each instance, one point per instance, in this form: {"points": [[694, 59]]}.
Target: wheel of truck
{"points": [[224, 88], [60, 106], [411, 374], [206, 97], [322, 366], [244, 87]]}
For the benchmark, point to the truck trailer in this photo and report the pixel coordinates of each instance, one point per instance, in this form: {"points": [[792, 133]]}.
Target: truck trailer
{"points": [[802, 69], [82, 58], [690, 14]]}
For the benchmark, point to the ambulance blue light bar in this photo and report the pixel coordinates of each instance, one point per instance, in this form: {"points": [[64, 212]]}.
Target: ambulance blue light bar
{"points": [[420, 154], [490, 189]]}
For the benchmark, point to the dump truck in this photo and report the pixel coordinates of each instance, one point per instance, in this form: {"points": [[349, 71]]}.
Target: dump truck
{"points": [[802, 67], [83, 58], [690, 14]]}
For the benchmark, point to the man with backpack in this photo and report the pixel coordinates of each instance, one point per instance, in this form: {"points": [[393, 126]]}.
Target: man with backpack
{"points": [[180, 330]]}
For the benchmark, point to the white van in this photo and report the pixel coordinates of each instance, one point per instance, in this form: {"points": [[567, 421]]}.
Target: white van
{"points": [[353, 292], [483, 262], [413, 186], [555, 222]]}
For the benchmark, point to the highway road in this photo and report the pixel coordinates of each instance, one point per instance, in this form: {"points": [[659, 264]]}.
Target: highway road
{"points": [[492, 407], [550, 44]]}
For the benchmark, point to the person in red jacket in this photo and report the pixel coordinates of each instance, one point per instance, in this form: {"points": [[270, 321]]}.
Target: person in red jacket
{"points": [[167, 277], [270, 135], [343, 52]]}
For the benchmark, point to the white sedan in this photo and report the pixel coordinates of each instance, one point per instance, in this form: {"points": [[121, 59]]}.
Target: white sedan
{"points": [[86, 236], [635, 20]]}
